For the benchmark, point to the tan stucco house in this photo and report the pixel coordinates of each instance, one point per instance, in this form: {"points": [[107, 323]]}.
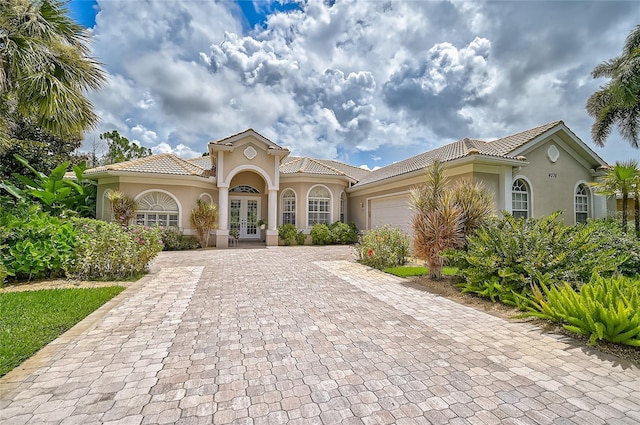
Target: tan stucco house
{"points": [[531, 174]]}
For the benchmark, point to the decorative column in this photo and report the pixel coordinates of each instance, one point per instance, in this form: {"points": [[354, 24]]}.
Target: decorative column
{"points": [[222, 234], [272, 232]]}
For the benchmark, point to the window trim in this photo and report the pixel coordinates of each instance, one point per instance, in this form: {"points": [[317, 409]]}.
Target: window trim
{"points": [[330, 206], [588, 197], [175, 199], [295, 206], [342, 213], [529, 193]]}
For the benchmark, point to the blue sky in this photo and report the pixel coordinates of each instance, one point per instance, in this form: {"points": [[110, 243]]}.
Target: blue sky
{"points": [[367, 83]]}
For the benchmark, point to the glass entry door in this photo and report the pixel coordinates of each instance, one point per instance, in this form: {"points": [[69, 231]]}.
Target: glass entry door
{"points": [[243, 215]]}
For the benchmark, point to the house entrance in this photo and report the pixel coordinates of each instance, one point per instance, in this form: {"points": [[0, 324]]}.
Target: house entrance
{"points": [[243, 215]]}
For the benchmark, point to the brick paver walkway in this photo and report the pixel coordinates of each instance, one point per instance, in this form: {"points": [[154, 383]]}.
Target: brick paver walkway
{"points": [[304, 335]]}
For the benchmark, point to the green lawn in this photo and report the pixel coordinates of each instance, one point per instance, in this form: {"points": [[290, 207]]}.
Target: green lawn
{"points": [[407, 271], [29, 320]]}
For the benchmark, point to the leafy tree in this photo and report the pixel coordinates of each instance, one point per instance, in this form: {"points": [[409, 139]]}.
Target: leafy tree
{"points": [[121, 149], [45, 69], [43, 151], [204, 218], [623, 178], [618, 101]]}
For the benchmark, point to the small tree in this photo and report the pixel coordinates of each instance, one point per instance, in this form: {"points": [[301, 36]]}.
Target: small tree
{"points": [[121, 149], [445, 214], [122, 206], [204, 218]]}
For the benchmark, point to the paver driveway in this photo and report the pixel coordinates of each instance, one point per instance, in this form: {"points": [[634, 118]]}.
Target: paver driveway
{"points": [[305, 335]]}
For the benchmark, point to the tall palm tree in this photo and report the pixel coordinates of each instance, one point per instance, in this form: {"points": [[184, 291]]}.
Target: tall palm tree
{"points": [[622, 178], [45, 67], [618, 101]]}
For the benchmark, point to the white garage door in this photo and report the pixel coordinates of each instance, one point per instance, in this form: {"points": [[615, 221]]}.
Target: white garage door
{"points": [[394, 211]]}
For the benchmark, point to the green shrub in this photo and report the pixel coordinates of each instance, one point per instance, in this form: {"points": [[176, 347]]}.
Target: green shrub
{"points": [[320, 234], [287, 232], [109, 251], [611, 236], [604, 309], [174, 240], [504, 256], [3, 274], [35, 244], [343, 234], [383, 247], [301, 238]]}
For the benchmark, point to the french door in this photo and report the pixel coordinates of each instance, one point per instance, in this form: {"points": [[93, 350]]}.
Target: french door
{"points": [[243, 215]]}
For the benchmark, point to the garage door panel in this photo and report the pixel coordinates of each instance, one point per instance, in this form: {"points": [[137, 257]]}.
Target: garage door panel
{"points": [[393, 211]]}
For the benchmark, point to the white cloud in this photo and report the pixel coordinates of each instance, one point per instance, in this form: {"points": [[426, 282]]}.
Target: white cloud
{"points": [[352, 80]]}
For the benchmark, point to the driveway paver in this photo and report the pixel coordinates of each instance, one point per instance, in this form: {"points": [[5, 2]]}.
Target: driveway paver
{"points": [[304, 335]]}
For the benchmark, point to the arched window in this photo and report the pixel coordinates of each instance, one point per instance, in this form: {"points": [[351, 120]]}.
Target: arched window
{"points": [[342, 207], [243, 188], [582, 203], [520, 199], [289, 207], [157, 208], [319, 206]]}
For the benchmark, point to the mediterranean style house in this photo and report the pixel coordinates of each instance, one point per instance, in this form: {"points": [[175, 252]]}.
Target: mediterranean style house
{"points": [[251, 178]]}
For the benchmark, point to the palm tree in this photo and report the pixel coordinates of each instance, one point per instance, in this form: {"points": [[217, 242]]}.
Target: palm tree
{"points": [[45, 68], [122, 207], [618, 102], [204, 218], [622, 178]]}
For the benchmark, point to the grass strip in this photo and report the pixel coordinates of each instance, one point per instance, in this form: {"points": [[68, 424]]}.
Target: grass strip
{"points": [[29, 320], [408, 271]]}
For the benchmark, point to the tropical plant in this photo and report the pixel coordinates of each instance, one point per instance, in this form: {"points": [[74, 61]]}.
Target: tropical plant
{"points": [[122, 206], [287, 232], [45, 68], [121, 149], [505, 256], [204, 218], [445, 214], [618, 101], [603, 309], [34, 244], [623, 178], [56, 193], [383, 247]]}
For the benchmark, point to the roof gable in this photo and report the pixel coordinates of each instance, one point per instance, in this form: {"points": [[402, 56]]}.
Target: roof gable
{"points": [[239, 138]]}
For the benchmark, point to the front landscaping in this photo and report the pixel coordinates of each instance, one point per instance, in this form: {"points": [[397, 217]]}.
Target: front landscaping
{"points": [[29, 320]]}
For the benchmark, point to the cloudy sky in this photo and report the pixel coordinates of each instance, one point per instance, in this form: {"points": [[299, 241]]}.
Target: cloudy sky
{"points": [[366, 82]]}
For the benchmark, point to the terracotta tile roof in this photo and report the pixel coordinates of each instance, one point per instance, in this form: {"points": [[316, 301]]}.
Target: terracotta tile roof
{"points": [[498, 148], [164, 163], [306, 165], [508, 144], [201, 161]]}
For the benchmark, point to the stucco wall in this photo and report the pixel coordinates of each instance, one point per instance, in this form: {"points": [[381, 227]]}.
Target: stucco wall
{"points": [[236, 158], [302, 188], [553, 184], [185, 196]]}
